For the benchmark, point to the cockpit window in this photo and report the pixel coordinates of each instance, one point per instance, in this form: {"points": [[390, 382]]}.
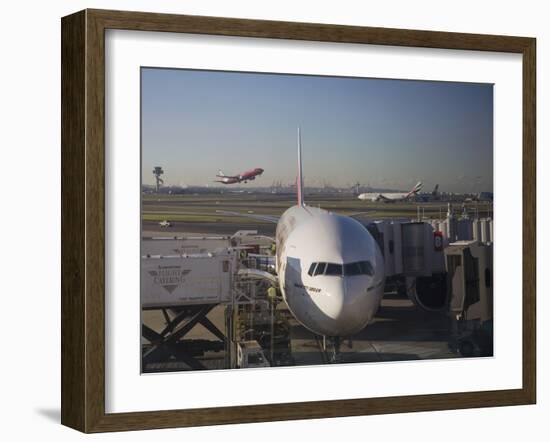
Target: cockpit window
{"points": [[333, 269], [352, 269], [358, 268], [320, 268], [366, 268]]}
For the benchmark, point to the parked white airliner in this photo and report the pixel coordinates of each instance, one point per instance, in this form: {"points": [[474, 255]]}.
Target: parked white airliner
{"points": [[330, 269], [391, 196]]}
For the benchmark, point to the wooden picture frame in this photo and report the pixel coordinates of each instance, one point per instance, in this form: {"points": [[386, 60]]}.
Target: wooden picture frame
{"points": [[83, 220]]}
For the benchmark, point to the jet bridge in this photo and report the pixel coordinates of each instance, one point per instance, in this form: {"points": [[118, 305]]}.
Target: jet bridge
{"points": [[470, 275], [414, 261]]}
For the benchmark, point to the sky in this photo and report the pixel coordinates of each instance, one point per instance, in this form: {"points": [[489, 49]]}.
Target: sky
{"points": [[376, 132]]}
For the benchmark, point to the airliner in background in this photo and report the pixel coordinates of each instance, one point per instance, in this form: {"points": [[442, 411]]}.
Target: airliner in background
{"points": [[391, 197], [329, 267], [249, 175]]}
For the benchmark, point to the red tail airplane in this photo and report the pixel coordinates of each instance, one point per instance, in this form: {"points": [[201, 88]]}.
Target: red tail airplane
{"points": [[249, 175]]}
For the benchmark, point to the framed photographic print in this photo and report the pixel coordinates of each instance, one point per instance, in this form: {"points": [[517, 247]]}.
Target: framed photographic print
{"points": [[270, 220]]}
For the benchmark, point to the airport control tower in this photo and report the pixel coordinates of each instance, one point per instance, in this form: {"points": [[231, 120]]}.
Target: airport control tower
{"points": [[157, 171]]}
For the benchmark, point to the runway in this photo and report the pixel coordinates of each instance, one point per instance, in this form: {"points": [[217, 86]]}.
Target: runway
{"points": [[201, 213]]}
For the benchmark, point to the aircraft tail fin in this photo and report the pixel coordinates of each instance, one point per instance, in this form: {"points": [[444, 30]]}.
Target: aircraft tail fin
{"points": [[436, 190], [220, 173], [417, 188], [299, 178]]}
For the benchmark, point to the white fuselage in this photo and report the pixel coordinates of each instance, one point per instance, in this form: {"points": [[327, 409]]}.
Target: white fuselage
{"points": [[394, 197], [330, 270]]}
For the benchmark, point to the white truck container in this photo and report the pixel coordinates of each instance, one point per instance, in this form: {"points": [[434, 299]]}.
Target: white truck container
{"points": [[171, 281], [183, 245]]}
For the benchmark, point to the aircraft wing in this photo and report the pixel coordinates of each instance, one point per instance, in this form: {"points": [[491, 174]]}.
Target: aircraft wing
{"points": [[268, 218]]}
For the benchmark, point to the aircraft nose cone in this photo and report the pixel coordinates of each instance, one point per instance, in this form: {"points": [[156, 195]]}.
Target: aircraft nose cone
{"points": [[332, 304], [350, 306], [359, 305]]}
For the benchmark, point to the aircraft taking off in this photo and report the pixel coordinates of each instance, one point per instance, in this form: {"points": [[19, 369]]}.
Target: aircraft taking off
{"points": [[329, 267], [392, 196], [249, 175]]}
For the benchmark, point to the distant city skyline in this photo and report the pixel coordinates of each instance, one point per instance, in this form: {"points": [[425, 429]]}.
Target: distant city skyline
{"points": [[376, 132]]}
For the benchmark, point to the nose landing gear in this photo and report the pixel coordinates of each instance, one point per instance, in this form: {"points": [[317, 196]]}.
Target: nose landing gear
{"points": [[336, 354], [330, 349]]}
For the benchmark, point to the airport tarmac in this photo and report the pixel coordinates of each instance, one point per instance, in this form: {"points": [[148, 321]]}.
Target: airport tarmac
{"points": [[400, 331]]}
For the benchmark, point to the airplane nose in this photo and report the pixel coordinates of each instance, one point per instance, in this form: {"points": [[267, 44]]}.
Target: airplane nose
{"points": [[360, 304], [350, 306]]}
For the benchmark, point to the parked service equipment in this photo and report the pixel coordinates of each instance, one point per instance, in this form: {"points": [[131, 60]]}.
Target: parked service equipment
{"points": [[250, 355]]}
